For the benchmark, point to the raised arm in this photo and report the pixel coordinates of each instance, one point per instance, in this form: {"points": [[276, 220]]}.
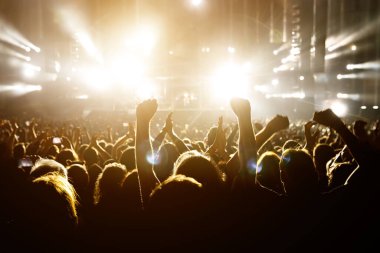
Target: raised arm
{"points": [[311, 139], [173, 136], [275, 125], [147, 179], [161, 135], [359, 150], [247, 141]]}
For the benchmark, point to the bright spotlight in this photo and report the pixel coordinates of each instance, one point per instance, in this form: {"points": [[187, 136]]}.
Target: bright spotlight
{"points": [[339, 109], [228, 81], [363, 107], [301, 78], [354, 47], [146, 90], [96, 79], [231, 50], [275, 82], [29, 73], [375, 107], [144, 39], [196, 2], [339, 76]]}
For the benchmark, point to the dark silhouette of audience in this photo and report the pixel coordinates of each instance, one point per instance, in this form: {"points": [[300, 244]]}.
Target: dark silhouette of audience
{"points": [[250, 186]]}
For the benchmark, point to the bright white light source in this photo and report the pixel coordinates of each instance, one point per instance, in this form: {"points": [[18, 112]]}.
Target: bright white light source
{"points": [[339, 109], [363, 107], [130, 71], [171, 52], [375, 107], [275, 52], [29, 73], [143, 39], [196, 2], [301, 78], [57, 66], [85, 40], [247, 66], [228, 81], [96, 79], [350, 66], [231, 50], [146, 90], [275, 82], [354, 47], [339, 76], [82, 97]]}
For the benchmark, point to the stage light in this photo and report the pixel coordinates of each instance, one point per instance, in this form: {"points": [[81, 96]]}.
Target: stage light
{"points": [[301, 78], [146, 90], [82, 97], [196, 3], [143, 39], [339, 109], [375, 107], [19, 89], [275, 82], [363, 107], [88, 45], [353, 47], [96, 79], [339, 76], [228, 81], [231, 50], [57, 66]]}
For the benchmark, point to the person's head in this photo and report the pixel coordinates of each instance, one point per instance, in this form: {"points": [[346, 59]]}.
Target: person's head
{"points": [[165, 159], [46, 166], [53, 208], [201, 168], [81, 150], [66, 155], [90, 156], [109, 182], [298, 174], [52, 151], [19, 151], [127, 158], [290, 144], [268, 172], [78, 177], [177, 198], [322, 153], [131, 191]]}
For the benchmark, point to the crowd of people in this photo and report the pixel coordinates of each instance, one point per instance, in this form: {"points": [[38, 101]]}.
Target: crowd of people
{"points": [[275, 186]]}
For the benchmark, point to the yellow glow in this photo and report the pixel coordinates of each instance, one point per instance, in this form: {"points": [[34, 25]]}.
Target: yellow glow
{"points": [[88, 45], [96, 79], [146, 90], [230, 80], [143, 39], [128, 71], [196, 2], [339, 109]]}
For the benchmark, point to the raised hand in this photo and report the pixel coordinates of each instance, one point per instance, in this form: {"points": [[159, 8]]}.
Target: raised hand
{"points": [[328, 118], [146, 110], [241, 107], [278, 123], [311, 139], [168, 127]]}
